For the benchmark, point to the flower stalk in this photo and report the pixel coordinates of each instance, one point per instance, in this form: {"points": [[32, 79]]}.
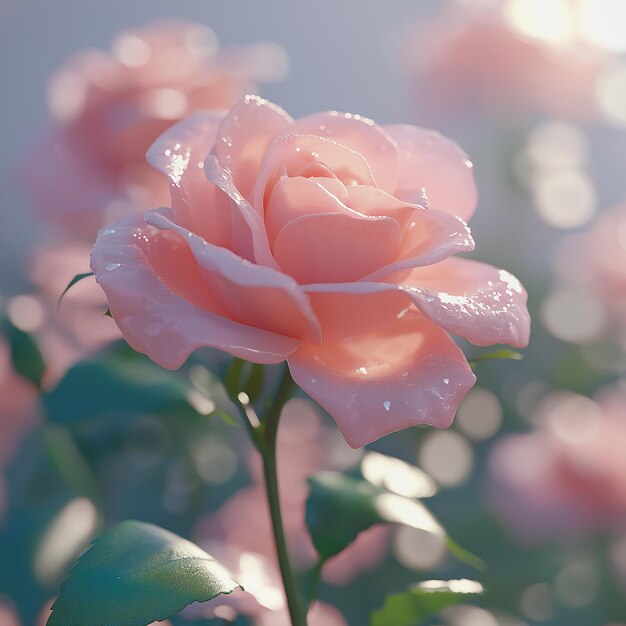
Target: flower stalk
{"points": [[264, 438]]}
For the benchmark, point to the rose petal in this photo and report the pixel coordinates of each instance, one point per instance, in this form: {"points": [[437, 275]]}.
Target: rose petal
{"points": [[373, 201], [395, 369], [244, 136], [250, 294], [295, 197], [474, 300], [431, 237], [248, 231], [296, 152], [361, 135], [166, 325], [336, 247], [196, 204], [430, 161]]}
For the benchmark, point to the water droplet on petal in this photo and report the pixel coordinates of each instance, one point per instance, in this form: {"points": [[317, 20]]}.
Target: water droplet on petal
{"points": [[109, 267], [387, 405]]}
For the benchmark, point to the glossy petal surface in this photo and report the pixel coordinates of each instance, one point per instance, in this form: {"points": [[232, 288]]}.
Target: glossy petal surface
{"points": [[430, 237], [474, 300], [360, 134], [430, 161], [394, 370], [298, 197], [179, 153], [290, 154], [334, 247], [130, 261], [250, 294], [244, 137]]}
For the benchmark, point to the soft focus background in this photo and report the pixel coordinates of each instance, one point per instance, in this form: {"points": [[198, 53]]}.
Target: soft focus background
{"points": [[535, 92]]}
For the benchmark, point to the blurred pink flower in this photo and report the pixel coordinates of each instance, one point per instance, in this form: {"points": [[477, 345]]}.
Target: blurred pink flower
{"points": [[65, 333], [109, 108], [309, 240], [475, 59], [568, 475], [595, 260]]}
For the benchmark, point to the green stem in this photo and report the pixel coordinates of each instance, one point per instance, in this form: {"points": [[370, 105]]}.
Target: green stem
{"points": [[270, 423]]}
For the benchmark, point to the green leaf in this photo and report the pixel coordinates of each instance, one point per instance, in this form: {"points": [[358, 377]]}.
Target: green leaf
{"points": [[116, 384], [72, 282], [25, 354], [135, 574], [504, 353], [339, 507], [423, 601]]}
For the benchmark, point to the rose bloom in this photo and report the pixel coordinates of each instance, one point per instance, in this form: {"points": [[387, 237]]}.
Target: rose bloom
{"points": [[108, 109], [568, 475], [595, 260], [311, 241], [485, 59]]}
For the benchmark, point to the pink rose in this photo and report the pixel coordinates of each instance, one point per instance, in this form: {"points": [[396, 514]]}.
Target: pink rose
{"points": [[110, 107], [468, 57], [68, 332], [310, 241], [568, 475]]}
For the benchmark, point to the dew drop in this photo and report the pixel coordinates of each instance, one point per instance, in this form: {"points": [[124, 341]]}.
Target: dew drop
{"points": [[109, 267], [387, 405], [446, 381]]}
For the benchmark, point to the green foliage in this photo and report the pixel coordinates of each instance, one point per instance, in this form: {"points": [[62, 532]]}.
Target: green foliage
{"points": [[114, 384], [25, 354], [135, 574], [339, 507], [423, 601]]}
